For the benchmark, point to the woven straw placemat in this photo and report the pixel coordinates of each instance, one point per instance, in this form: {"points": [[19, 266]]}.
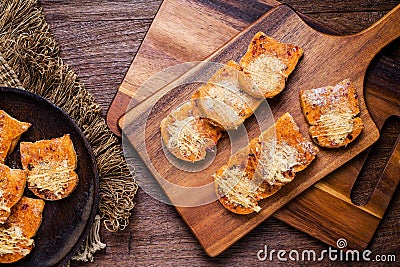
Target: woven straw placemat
{"points": [[29, 59]]}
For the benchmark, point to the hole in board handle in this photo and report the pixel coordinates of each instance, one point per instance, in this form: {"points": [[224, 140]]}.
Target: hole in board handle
{"points": [[374, 166]]}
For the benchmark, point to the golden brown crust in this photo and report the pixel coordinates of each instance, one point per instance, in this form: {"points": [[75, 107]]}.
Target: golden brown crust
{"points": [[52, 153], [233, 207], [187, 135], [223, 100], [12, 185], [10, 132], [267, 190], [50, 165], [253, 173], [268, 63], [331, 112], [26, 216]]}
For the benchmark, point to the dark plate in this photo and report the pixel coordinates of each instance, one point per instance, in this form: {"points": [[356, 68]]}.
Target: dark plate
{"points": [[65, 222]]}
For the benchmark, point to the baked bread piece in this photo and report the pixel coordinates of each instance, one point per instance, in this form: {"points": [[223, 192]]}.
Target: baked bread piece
{"points": [[268, 63], [332, 113], [283, 152], [50, 165], [235, 183], [223, 100], [10, 131], [263, 167], [12, 185], [188, 136], [16, 234]]}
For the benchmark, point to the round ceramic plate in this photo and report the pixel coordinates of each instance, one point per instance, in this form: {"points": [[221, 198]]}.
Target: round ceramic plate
{"points": [[65, 222]]}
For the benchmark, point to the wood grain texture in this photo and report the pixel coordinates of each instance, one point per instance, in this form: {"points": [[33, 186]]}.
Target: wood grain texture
{"points": [[86, 10], [146, 241], [171, 44], [338, 187], [147, 62], [93, 28], [340, 57]]}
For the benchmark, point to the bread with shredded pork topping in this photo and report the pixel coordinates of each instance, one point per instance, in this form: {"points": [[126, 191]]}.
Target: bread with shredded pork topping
{"points": [[223, 100], [50, 165], [16, 234], [259, 170], [267, 64], [12, 185], [332, 112], [11, 130], [187, 135]]}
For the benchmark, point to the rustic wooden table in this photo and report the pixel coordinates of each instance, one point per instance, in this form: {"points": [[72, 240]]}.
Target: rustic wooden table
{"points": [[98, 40]]}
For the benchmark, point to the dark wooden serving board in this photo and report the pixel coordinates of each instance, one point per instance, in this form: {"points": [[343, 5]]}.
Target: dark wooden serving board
{"points": [[340, 57]]}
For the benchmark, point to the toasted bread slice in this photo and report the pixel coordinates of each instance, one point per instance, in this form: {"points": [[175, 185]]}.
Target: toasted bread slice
{"points": [[10, 131], [332, 113], [223, 100], [268, 63], [323, 100], [16, 234], [27, 214], [12, 185], [50, 165], [188, 136], [284, 151], [341, 135], [263, 167], [234, 184], [49, 154], [234, 191]]}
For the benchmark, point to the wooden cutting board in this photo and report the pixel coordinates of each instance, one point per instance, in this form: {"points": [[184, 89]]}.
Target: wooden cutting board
{"points": [[203, 25], [348, 57]]}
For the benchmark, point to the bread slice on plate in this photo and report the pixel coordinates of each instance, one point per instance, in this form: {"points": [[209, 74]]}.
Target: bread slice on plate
{"points": [[16, 234], [11, 130], [268, 63], [12, 185], [223, 100], [187, 135], [332, 112], [259, 170], [50, 165]]}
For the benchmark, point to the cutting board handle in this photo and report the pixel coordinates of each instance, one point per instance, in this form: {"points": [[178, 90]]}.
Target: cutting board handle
{"points": [[387, 184], [382, 32]]}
